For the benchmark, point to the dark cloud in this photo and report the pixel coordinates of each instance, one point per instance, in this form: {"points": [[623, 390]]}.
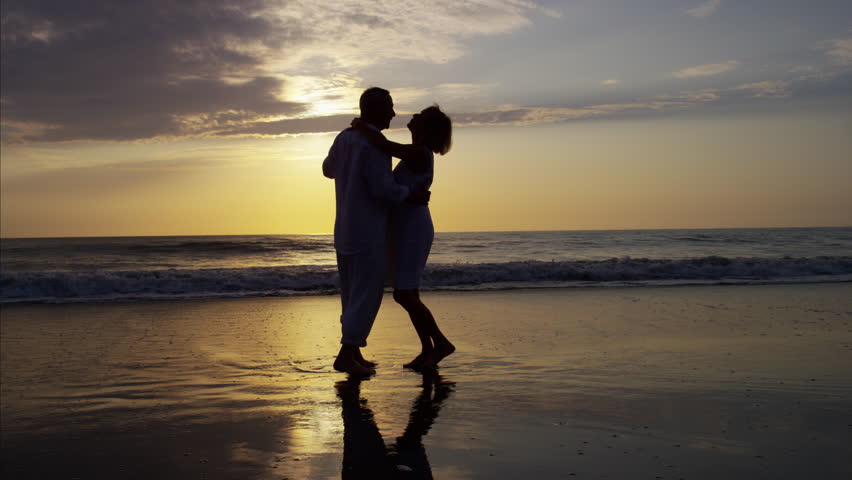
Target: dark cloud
{"points": [[122, 70], [825, 86], [812, 86], [514, 116], [296, 126]]}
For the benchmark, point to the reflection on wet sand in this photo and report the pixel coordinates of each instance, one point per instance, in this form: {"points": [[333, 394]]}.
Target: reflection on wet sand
{"points": [[365, 454], [699, 383]]}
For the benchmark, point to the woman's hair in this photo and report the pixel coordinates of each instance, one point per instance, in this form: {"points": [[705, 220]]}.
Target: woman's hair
{"points": [[437, 129]]}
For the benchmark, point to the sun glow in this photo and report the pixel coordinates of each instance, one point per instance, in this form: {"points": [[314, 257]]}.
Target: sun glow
{"points": [[324, 96]]}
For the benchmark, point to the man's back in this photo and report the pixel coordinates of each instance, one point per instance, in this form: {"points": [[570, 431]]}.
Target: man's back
{"points": [[364, 189]]}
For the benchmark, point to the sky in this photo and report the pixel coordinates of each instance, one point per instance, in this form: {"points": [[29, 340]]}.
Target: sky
{"points": [[205, 117]]}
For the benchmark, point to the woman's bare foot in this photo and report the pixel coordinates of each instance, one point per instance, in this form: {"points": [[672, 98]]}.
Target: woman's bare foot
{"points": [[442, 351], [346, 362], [420, 361]]}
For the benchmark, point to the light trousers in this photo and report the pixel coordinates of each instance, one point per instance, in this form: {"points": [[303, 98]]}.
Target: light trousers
{"points": [[362, 283]]}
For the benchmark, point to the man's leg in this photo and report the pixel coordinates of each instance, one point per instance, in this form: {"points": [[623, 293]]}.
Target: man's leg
{"points": [[346, 360], [344, 299], [362, 277]]}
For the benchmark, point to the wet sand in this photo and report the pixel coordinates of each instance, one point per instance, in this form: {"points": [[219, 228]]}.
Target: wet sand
{"points": [[713, 382]]}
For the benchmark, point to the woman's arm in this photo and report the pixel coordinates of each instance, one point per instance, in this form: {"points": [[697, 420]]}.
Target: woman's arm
{"points": [[416, 157]]}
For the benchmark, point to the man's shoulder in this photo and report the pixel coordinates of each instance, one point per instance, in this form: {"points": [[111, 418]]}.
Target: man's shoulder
{"points": [[356, 142], [350, 136]]}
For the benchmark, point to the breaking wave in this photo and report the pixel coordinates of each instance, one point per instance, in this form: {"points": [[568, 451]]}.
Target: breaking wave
{"points": [[172, 284]]}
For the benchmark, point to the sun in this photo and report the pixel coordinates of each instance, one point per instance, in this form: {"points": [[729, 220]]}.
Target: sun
{"points": [[324, 96]]}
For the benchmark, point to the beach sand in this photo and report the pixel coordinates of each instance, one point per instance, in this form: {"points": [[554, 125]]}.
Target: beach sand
{"points": [[751, 382]]}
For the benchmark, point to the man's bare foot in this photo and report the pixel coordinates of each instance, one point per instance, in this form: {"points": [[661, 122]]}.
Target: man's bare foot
{"points": [[346, 362], [442, 351], [363, 361]]}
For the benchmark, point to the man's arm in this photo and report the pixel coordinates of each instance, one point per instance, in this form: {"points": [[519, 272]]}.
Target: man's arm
{"points": [[330, 161], [379, 177], [327, 165]]}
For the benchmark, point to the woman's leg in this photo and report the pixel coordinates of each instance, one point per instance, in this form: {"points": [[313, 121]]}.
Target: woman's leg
{"points": [[409, 300], [435, 346]]}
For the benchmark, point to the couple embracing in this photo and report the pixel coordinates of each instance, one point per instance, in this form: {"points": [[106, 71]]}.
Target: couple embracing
{"points": [[383, 225]]}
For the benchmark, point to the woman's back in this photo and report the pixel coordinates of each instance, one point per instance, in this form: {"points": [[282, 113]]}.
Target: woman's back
{"points": [[414, 180]]}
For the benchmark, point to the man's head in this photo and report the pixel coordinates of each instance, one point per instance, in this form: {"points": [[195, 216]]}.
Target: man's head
{"points": [[377, 107]]}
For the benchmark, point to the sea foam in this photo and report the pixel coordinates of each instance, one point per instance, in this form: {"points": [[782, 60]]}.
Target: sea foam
{"points": [[99, 286]]}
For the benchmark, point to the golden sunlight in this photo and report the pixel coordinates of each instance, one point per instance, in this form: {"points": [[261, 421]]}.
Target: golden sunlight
{"points": [[335, 95]]}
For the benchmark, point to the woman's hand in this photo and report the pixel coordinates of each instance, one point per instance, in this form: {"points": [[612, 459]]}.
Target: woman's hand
{"points": [[373, 136], [420, 196]]}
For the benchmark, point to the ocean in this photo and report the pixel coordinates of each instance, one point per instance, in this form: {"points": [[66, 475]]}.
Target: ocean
{"points": [[90, 270]]}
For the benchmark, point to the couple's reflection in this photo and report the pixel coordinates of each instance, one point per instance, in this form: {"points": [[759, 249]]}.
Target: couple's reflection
{"points": [[365, 455]]}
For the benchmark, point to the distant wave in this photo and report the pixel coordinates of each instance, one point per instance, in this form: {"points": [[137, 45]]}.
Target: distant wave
{"points": [[233, 247], [98, 286], [203, 246], [711, 239]]}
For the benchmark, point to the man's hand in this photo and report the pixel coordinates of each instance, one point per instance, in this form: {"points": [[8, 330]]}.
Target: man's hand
{"points": [[419, 197]]}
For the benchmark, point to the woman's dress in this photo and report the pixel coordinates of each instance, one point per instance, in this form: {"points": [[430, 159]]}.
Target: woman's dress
{"points": [[411, 228]]}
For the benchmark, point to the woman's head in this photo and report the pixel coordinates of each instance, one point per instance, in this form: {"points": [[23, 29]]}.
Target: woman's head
{"points": [[433, 128]]}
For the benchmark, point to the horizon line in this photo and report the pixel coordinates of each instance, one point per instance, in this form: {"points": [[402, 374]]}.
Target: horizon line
{"points": [[451, 232]]}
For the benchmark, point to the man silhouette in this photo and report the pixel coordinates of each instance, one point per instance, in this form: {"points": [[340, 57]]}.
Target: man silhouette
{"points": [[364, 190]]}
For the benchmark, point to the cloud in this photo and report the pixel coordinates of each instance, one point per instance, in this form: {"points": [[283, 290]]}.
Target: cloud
{"points": [[763, 89], [768, 88], [610, 82], [840, 50], [292, 126], [456, 94], [550, 12], [706, 70], [704, 9], [503, 115], [400, 29], [809, 82], [89, 70], [515, 115], [803, 69], [819, 84], [693, 97], [107, 70]]}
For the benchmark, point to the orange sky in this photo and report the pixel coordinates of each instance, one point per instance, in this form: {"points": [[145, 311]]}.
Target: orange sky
{"points": [[665, 173], [581, 116]]}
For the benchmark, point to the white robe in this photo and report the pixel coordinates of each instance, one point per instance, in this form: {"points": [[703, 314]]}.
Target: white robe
{"points": [[364, 190]]}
